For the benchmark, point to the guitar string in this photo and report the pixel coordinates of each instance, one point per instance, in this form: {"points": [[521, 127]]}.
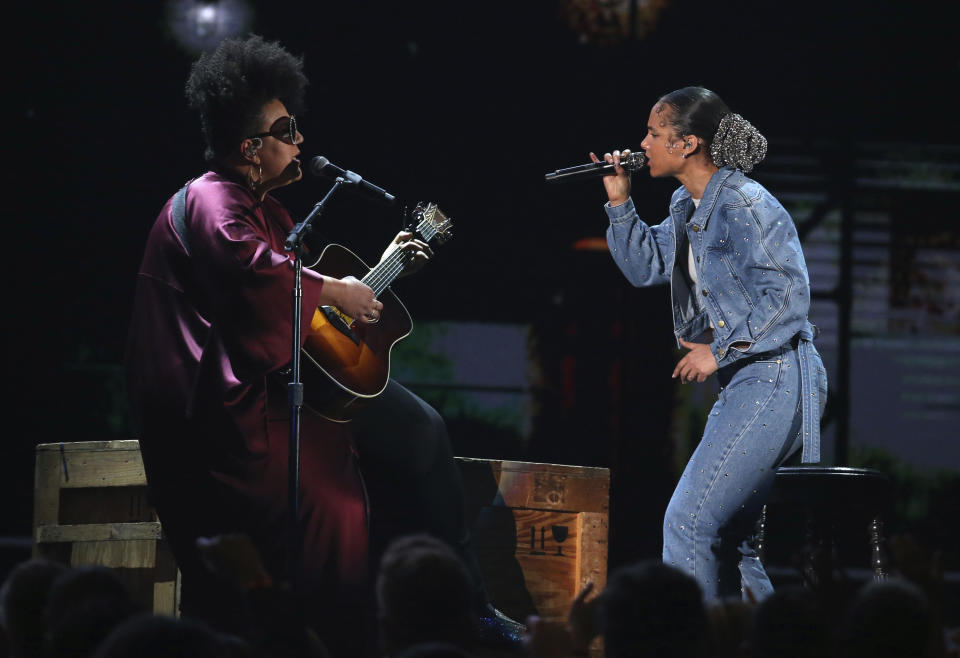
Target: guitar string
{"points": [[394, 266], [386, 275], [381, 276]]}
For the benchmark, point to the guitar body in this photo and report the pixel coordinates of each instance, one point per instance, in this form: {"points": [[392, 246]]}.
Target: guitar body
{"points": [[343, 367]]}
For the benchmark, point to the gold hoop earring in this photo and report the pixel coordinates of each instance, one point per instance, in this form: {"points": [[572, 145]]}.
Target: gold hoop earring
{"points": [[250, 181]]}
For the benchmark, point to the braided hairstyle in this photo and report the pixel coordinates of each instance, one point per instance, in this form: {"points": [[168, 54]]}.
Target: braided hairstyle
{"points": [[730, 139], [230, 86]]}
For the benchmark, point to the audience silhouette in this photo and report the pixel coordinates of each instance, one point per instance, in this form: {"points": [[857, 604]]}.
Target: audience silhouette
{"points": [[423, 596], [424, 609]]}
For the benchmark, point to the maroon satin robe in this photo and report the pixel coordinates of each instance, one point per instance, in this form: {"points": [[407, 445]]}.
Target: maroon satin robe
{"points": [[211, 326]]}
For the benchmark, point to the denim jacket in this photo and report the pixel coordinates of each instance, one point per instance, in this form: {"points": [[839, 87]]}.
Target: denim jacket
{"points": [[753, 287]]}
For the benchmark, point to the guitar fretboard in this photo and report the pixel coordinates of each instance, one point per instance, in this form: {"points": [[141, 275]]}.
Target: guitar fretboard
{"points": [[380, 277]]}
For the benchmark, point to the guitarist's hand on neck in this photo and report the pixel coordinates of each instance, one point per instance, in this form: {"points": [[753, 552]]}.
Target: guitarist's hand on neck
{"points": [[352, 297], [418, 252]]}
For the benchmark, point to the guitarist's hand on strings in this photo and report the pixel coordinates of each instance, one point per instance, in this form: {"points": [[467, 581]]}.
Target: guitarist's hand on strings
{"points": [[353, 297], [418, 251]]}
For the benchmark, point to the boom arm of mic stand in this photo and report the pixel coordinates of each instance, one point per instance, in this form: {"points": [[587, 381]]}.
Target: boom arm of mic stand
{"points": [[294, 240]]}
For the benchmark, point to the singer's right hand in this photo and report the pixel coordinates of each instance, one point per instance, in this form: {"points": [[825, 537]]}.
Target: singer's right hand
{"points": [[618, 187], [353, 297]]}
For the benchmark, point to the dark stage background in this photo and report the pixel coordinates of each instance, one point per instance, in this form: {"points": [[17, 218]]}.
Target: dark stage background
{"points": [[467, 105]]}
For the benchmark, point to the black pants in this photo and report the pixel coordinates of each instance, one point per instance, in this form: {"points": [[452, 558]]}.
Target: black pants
{"points": [[411, 477]]}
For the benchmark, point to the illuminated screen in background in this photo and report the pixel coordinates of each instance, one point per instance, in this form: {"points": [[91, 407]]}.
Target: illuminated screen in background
{"points": [[905, 315], [469, 371]]}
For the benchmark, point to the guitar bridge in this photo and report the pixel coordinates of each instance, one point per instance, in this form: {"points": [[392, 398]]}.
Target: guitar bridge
{"points": [[335, 318]]}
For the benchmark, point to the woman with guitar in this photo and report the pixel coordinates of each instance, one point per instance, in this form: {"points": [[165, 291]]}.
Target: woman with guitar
{"points": [[211, 329], [741, 295]]}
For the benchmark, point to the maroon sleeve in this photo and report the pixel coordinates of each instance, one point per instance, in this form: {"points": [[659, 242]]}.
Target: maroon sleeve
{"points": [[246, 277]]}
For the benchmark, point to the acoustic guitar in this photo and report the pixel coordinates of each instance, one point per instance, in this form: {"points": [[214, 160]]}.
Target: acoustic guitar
{"points": [[344, 362]]}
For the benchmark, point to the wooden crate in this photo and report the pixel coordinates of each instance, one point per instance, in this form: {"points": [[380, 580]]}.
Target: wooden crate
{"points": [[90, 507], [540, 532]]}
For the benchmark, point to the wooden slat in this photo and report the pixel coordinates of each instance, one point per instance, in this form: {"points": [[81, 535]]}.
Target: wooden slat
{"points": [[87, 505], [147, 530], [592, 551], [587, 472], [528, 485], [104, 469], [140, 554], [91, 446], [46, 489], [91, 464], [165, 598]]}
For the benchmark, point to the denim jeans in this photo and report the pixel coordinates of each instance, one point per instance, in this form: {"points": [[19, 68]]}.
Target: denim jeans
{"points": [[754, 426]]}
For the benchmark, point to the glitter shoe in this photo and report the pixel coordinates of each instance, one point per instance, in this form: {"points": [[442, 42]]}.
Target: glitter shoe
{"points": [[499, 631]]}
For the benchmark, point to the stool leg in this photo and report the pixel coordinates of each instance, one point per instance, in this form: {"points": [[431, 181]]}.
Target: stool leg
{"points": [[819, 549], [878, 554], [760, 538], [811, 552]]}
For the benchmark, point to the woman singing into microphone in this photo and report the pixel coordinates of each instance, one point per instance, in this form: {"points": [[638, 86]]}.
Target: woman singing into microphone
{"points": [[740, 296]]}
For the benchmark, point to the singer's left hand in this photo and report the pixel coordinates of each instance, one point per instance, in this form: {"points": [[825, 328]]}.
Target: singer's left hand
{"points": [[617, 187], [419, 249], [698, 364]]}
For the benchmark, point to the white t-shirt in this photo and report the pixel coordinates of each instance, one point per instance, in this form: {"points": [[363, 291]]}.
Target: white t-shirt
{"points": [[690, 264], [692, 268]]}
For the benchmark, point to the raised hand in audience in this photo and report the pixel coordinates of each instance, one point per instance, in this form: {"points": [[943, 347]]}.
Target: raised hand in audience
{"points": [[572, 637]]}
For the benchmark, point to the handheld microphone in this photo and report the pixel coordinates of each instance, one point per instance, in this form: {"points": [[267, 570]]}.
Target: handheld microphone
{"points": [[633, 162], [321, 166]]}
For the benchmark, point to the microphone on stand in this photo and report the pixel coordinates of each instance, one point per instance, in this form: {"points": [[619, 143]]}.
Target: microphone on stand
{"points": [[321, 166], [632, 162]]}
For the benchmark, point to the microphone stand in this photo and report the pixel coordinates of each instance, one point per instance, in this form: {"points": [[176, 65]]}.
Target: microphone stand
{"points": [[294, 243]]}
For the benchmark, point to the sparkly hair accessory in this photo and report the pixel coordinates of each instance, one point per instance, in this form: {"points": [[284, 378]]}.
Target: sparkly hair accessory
{"points": [[737, 143]]}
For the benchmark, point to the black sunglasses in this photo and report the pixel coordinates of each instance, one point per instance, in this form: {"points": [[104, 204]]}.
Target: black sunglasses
{"points": [[284, 129]]}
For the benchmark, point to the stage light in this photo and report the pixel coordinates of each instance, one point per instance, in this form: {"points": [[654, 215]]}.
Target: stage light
{"points": [[610, 22], [199, 25]]}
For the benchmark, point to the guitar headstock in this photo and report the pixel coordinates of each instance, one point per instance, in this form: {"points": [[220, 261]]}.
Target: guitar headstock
{"points": [[431, 222]]}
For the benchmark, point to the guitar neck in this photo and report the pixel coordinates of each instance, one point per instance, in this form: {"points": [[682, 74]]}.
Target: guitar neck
{"points": [[380, 277]]}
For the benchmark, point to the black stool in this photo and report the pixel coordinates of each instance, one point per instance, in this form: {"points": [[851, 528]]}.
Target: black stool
{"points": [[832, 502]]}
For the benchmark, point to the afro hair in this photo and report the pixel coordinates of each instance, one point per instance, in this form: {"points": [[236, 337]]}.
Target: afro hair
{"points": [[230, 86]]}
